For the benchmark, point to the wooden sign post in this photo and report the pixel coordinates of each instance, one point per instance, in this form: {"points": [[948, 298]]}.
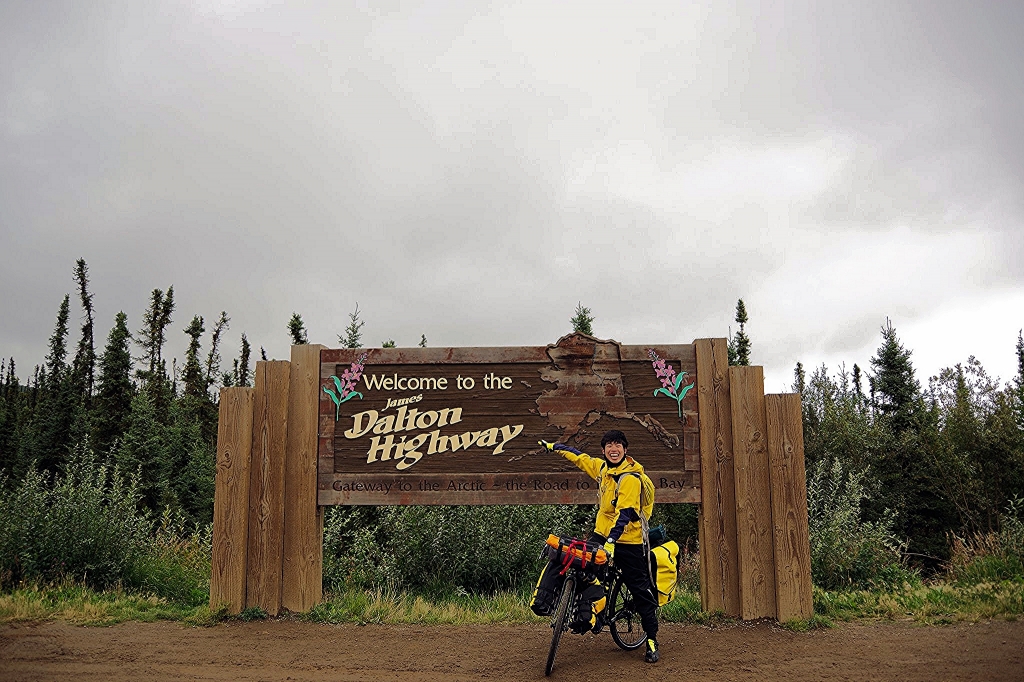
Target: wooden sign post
{"points": [[395, 426]]}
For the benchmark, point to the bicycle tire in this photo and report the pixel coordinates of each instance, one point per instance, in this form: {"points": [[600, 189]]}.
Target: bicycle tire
{"points": [[624, 622], [559, 622]]}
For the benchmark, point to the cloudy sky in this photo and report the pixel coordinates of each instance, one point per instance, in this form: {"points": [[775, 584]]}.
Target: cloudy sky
{"points": [[471, 171]]}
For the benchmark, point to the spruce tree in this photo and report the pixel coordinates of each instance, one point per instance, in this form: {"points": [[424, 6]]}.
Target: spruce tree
{"points": [[242, 376], [8, 421], [213, 358], [423, 341], [739, 345], [1018, 381], [56, 365], [354, 331], [192, 375], [897, 392], [582, 320], [297, 330], [143, 449], [901, 462], [115, 390], [799, 378], [151, 337], [85, 358], [857, 385], [55, 406], [240, 373]]}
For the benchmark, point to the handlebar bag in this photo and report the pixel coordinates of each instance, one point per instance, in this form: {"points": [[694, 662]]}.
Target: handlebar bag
{"points": [[575, 553]]}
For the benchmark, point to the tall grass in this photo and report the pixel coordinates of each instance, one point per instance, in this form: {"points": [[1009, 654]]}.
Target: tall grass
{"points": [[934, 603], [392, 607], [991, 557], [175, 562], [76, 603]]}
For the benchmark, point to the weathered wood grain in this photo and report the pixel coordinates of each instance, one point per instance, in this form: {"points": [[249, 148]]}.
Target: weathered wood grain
{"points": [[755, 552], [231, 499], [497, 354], [573, 393], [568, 487], [718, 490], [789, 507], [302, 569], [266, 486]]}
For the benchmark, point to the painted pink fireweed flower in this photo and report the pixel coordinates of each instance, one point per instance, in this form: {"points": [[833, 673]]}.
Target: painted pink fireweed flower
{"points": [[671, 383], [346, 385]]}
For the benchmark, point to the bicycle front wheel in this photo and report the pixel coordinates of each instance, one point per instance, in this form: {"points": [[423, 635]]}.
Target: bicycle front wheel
{"points": [[624, 621], [560, 621]]}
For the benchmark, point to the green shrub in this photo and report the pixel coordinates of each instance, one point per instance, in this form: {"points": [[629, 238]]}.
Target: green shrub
{"points": [[680, 521], [84, 525], [847, 551], [442, 550]]}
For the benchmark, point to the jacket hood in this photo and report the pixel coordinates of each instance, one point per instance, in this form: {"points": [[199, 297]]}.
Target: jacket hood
{"points": [[628, 464]]}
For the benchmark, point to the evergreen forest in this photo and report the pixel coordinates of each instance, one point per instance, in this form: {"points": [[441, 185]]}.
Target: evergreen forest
{"points": [[107, 456]]}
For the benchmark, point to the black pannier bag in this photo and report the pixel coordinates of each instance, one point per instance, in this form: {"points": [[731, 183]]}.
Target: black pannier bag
{"points": [[562, 553]]}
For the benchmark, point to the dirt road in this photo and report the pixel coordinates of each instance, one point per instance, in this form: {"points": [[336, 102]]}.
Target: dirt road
{"points": [[288, 650]]}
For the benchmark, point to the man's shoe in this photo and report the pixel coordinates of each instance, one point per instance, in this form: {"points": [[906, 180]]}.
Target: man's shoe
{"points": [[598, 624], [652, 651]]}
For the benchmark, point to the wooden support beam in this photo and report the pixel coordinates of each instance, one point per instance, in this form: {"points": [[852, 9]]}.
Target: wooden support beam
{"points": [[789, 507], [756, 554], [266, 486], [231, 499], [720, 589], [303, 519]]}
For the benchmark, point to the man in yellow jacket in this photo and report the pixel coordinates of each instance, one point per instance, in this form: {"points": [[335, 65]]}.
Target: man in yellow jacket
{"points": [[621, 522]]}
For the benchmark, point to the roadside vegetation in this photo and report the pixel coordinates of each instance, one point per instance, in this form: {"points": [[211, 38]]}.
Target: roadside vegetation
{"points": [[916, 495]]}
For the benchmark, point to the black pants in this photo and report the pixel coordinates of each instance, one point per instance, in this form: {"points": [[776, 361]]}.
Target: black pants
{"points": [[636, 574]]}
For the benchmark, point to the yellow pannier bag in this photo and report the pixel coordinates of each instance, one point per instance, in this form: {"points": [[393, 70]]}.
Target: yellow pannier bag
{"points": [[665, 570]]}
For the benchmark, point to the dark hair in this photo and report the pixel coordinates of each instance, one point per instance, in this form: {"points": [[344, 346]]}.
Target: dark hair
{"points": [[614, 436]]}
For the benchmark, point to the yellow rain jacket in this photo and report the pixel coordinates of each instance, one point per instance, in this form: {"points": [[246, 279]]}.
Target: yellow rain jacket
{"points": [[618, 518]]}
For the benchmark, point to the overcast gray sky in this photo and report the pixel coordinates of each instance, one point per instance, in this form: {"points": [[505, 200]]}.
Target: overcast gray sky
{"points": [[471, 171]]}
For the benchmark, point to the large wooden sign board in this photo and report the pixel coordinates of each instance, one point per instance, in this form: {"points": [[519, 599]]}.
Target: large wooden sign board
{"points": [[461, 425]]}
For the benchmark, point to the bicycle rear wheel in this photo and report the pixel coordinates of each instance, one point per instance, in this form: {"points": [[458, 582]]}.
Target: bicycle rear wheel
{"points": [[559, 622], [624, 621]]}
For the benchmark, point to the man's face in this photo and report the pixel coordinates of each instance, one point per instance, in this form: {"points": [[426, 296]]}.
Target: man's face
{"points": [[614, 452]]}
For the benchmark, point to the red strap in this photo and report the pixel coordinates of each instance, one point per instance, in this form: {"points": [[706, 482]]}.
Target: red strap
{"points": [[567, 557]]}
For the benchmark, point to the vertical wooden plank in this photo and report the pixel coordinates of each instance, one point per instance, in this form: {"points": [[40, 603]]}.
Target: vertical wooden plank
{"points": [[718, 492], [266, 486], [702, 557], [302, 570], [789, 507], [231, 499], [754, 545]]}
